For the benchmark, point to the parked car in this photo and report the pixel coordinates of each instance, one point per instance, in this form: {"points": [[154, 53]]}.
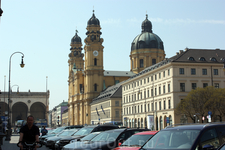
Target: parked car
{"points": [[74, 143], [191, 137], [57, 131], [222, 147], [54, 132], [136, 141], [106, 140], [85, 131], [50, 141]]}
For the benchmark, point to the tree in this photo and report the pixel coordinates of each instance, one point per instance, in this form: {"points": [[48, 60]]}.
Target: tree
{"points": [[202, 100]]}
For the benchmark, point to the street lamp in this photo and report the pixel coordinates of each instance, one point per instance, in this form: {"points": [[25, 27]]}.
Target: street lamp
{"points": [[17, 88], [8, 138]]}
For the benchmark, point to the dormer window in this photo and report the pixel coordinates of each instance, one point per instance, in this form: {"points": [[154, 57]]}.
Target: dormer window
{"points": [[213, 59], [191, 58], [202, 59]]}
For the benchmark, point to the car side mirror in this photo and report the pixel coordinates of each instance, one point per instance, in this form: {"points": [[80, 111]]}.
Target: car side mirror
{"points": [[208, 147]]}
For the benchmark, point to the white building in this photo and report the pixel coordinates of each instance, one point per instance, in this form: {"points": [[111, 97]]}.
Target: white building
{"points": [[157, 89]]}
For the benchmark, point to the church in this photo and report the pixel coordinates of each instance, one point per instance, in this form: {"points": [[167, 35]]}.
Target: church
{"points": [[87, 78]]}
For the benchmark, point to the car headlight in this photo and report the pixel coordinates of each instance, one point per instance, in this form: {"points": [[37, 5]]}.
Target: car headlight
{"points": [[57, 141], [74, 140]]}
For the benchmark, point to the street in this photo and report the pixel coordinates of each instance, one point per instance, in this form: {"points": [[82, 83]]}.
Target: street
{"points": [[10, 145]]}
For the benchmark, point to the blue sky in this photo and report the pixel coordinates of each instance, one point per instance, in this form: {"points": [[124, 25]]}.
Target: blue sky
{"points": [[42, 30]]}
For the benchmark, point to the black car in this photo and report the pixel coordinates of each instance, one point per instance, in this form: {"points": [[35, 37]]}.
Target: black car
{"points": [[85, 131], [192, 137], [57, 131], [106, 140], [74, 143]]}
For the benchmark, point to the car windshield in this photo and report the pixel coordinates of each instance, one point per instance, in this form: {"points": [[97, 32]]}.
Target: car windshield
{"points": [[172, 139], [84, 131], [89, 137], [136, 140], [57, 130], [106, 136], [67, 133]]}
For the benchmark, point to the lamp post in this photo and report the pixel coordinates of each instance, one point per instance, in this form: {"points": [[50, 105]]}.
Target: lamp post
{"points": [[17, 88], [8, 138]]}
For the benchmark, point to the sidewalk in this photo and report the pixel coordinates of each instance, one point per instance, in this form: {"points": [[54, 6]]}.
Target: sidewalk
{"points": [[11, 145]]}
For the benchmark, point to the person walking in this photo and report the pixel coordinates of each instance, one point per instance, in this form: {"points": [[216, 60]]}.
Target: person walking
{"points": [[44, 131]]}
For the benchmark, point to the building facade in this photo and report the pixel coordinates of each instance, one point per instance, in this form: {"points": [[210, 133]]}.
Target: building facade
{"points": [[158, 89], [87, 77], [23, 104]]}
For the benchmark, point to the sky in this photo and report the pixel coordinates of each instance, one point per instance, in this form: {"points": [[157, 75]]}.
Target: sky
{"points": [[42, 30]]}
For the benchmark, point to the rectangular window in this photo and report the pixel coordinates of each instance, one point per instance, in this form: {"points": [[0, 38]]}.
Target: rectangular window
{"points": [[151, 78], [148, 93], [117, 103], [193, 86], [215, 71], [117, 114], [204, 71], [169, 106], [155, 105], [135, 97], [144, 81], [141, 82], [159, 90], [205, 85], [141, 63], [148, 108], [137, 83], [153, 61], [164, 104], [164, 89], [216, 85], [148, 79], [164, 73], [182, 87], [155, 91], [151, 92], [193, 71], [159, 75], [152, 107], [168, 72], [155, 77], [132, 98], [168, 87], [159, 105], [181, 70]]}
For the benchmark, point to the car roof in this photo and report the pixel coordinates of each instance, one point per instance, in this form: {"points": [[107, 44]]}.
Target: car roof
{"points": [[198, 126], [146, 133], [125, 129], [102, 125]]}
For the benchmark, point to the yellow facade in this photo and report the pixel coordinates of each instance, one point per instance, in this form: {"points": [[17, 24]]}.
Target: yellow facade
{"points": [[87, 77]]}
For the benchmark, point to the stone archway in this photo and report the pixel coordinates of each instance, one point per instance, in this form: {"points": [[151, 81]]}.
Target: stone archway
{"points": [[19, 112], [3, 108], [38, 110]]}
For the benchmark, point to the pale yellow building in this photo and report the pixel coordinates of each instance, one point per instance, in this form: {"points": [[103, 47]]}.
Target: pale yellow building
{"points": [[87, 77], [157, 90]]}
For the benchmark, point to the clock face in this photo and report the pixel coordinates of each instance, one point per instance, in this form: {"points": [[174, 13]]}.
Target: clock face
{"points": [[95, 53]]}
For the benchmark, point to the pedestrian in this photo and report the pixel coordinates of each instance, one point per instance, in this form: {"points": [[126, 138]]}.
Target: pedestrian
{"points": [[44, 131]]}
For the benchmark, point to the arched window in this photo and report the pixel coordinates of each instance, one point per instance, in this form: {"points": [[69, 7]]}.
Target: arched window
{"points": [[141, 63], [202, 59], [95, 87], [213, 59], [95, 61], [191, 58]]}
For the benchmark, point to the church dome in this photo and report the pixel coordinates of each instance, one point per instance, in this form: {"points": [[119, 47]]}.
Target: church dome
{"points": [[93, 20], [76, 38], [147, 39]]}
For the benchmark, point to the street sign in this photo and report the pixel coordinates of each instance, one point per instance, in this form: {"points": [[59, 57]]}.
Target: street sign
{"points": [[210, 113]]}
